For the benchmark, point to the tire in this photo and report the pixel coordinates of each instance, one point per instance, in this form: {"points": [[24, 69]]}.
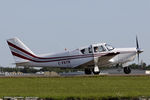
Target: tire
{"points": [[127, 70], [88, 71]]}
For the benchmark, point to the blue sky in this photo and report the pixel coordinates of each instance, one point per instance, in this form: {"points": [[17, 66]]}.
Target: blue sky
{"points": [[52, 25]]}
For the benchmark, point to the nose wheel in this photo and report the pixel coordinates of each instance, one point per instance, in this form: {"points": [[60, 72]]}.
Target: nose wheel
{"points": [[127, 70]]}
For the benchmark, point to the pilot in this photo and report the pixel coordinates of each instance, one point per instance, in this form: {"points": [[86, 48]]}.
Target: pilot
{"points": [[95, 49]]}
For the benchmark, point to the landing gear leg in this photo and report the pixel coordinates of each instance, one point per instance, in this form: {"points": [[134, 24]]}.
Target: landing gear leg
{"points": [[127, 70]]}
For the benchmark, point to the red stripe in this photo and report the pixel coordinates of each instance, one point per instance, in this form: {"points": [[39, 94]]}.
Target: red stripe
{"points": [[23, 57], [14, 46], [17, 55], [10, 44], [60, 58]]}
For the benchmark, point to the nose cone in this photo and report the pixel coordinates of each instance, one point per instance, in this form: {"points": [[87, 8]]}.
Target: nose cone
{"points": [[139, 50]]}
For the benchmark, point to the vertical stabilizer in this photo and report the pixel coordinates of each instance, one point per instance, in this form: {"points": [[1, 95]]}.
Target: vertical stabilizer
{"points": [[19, 50]]}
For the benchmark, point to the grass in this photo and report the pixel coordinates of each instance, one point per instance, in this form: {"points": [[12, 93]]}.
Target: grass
{"points": [[82, 87]]}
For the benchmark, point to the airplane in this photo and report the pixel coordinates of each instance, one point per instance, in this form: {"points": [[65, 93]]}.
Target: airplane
{"points": [[90, 58]]}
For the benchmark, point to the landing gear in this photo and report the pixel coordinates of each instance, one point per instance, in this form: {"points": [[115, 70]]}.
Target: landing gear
{"points": [[94, 70], [127, 70], [88, 71]]}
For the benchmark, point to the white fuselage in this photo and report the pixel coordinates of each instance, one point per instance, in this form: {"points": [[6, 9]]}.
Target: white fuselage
{"points": [[100, 54], [73, 59]]}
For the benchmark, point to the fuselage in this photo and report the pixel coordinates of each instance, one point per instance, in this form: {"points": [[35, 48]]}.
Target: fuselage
{"points": [[82, 57]]}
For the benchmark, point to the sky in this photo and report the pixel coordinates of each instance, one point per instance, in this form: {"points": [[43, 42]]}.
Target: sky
{"points": [[48, 26]]}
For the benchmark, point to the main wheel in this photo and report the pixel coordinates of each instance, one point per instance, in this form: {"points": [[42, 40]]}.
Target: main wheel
{"points": [[88, 71], [127, 70]]}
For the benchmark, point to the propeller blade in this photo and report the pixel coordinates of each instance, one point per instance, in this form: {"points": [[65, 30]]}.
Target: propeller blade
{"points": [[138, 50], [137, 43], [137, 47]]}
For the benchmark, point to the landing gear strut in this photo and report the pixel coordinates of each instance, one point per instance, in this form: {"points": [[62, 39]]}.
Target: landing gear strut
{"points": [[127, 70]]}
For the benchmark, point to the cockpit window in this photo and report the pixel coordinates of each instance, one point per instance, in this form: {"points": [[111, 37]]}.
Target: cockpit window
{"points": [[101, 49], [109, 47]]}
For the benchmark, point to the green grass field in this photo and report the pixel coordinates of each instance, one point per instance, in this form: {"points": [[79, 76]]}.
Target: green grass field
{"points": [[83, 87]]}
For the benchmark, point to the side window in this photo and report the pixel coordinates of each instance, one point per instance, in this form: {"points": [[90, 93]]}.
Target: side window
{"points": [[83, 51], [90, 50], [101, 49], [96, 49], [86, 50]]}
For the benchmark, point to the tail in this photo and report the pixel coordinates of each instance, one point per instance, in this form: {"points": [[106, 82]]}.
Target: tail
{"points": [[19, 50]]}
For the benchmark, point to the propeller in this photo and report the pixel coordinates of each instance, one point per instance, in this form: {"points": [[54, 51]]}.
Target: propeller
{"points": [[138, 49]]}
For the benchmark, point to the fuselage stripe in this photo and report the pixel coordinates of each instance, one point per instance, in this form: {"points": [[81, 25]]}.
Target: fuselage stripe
{"points": [[32, 57], [18, 48], [54, 58], [23, 57]]}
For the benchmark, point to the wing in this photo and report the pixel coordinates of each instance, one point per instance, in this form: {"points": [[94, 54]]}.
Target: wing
{"points": [[103, 61]]}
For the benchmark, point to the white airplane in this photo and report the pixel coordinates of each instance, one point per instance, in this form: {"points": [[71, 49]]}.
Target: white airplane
{"points": [[90, 58]]}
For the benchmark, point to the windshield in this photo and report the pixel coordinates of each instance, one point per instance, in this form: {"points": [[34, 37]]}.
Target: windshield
{"points": [[109, 47]]}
